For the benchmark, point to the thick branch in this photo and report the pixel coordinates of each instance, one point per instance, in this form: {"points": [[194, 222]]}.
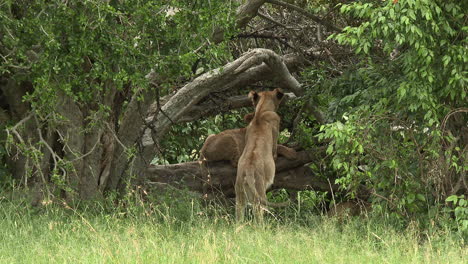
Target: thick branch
{"points": [[222, 79], [275, 63], [247, 11]]}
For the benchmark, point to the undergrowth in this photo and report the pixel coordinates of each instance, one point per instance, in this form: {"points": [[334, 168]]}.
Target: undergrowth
{"points": [[183, 230]]}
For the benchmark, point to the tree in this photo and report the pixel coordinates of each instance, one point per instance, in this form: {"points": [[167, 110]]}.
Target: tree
{"points": [[80, 79], [94, 90]]}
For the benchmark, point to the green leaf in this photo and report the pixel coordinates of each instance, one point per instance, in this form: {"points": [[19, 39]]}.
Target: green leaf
{"points": [[330, 149], [392, 13], [360, 149], [452, 198], [420, 197]]}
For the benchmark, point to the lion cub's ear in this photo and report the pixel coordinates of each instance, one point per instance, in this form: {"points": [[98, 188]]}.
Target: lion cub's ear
{"points": [[279, 93], [248, 117], [254, 97]]}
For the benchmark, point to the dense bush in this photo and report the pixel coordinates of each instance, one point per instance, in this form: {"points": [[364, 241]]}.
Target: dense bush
{"points": [[400, 113]]}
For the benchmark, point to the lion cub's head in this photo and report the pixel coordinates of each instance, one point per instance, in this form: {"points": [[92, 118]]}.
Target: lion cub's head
{"points": [[266, 101]]}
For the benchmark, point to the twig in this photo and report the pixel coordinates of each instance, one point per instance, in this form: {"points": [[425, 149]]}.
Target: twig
{"points": [[272, 20], [332, 193], [23, 121], [306, 14], [41, 139], [379, 238], [62, 138], [265, 35], [444, 121], [390, 202], [116, 137], [296, 121], [15, 127], [268, 35]]}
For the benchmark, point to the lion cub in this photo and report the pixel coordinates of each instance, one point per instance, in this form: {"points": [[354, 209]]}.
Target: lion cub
{"points": [[256, 167], [229, 145]]}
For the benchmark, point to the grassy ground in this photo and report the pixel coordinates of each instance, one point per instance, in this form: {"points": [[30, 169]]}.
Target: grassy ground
{"points": [[58, 235]]}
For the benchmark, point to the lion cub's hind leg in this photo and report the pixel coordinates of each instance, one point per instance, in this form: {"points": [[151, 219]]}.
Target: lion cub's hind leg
{"points": [[241, 200], [258, 206]]}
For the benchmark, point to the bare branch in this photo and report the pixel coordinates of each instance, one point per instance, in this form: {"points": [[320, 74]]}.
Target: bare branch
{"points": [[15, 127], [303, 12], [264, 35], [267, 18]]}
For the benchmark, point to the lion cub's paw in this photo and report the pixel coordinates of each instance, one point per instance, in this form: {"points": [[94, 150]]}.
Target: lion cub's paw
{"points": [[288, 153]]}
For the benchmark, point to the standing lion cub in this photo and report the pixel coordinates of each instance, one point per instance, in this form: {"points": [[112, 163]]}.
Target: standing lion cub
{"points": [[256, 167]]}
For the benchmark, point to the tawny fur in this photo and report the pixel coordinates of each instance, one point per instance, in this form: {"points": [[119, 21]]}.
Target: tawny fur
{"points": [[229, 145], [256, 167]]}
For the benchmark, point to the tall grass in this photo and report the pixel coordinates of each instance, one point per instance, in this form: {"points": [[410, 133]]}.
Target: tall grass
{"points": [[54, 234]]}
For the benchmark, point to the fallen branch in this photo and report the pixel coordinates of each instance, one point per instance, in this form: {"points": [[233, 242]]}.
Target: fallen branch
{"points": [[291, 174]]}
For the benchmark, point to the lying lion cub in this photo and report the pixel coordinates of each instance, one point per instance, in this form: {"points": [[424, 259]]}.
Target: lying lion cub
{"points": [[256, 167], [229, 144]]}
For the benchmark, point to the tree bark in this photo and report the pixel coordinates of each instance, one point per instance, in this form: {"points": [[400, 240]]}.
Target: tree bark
{"points": [[247, 11], [72, 140], [129, 135], [13, 93]]}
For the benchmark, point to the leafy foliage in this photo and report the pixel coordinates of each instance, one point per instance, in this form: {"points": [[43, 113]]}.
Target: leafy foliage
{"points": [[58, 41], [390, 131], [460, 210]]}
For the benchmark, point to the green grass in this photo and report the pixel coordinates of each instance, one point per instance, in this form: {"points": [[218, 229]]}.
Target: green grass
{"points": [[57, 235]]}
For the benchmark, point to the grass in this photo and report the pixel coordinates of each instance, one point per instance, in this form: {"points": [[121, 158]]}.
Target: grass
{"points": [[58, 235]]}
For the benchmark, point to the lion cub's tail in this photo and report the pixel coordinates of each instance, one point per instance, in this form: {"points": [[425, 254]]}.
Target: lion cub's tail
{"points": [[250, 179]]}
